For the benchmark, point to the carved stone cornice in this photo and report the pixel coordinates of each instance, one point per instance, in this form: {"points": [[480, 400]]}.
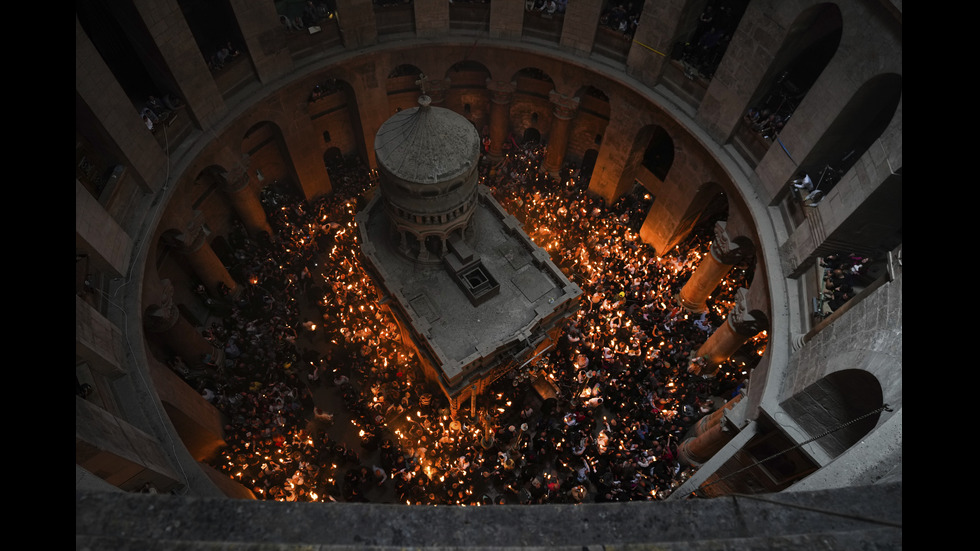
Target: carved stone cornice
{"points": [[724, 249], [193, 236], [501, 91], [565, 107], [741, 319], [164, 314]]}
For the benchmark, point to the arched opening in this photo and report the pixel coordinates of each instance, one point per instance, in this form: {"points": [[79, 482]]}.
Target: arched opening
{"points": [[588, 165], [543, 21], [137, 68], [633, 169], [394, 18], [703, 51], [809, 46], [333, 159], [531, 104], [214, 27], [709, 205], [829, 407], [326, 87], [469, 16], [617, 25], [268, 156], [403, 87], [531, 136], [588, 126], [659, 153], [333, 112], [468, 87], [433, 244], [853, 131]]}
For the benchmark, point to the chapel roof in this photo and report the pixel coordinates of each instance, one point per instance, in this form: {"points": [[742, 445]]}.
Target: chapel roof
{"points": [[427, 144]]}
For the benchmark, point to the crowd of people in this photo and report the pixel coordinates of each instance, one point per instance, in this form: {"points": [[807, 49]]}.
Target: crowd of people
{"points": [[717, 23], [766, 122], [324, 402], [323, 89], [314, 12], [622, 16], [222, 55], [843, 274], [546, 7]]}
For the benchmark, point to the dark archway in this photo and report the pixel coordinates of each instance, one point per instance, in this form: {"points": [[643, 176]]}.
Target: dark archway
{"points": [[853, 131], [531, 136], [833, 403], [588, 165], [333, 158], [807, 49], [269, 156], [659, 154]]}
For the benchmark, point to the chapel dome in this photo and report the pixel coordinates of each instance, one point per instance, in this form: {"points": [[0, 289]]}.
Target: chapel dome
{"points": [[428, 160], [427, 145]]}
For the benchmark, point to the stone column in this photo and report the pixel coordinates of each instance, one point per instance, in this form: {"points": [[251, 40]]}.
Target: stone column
{"points": [[193, 244], [182, 338], [501, 94], [698, 449], [565, 108], [722, 255], [709, 421], [453, 407], [740, 326], [244, 200], [476, 389]]}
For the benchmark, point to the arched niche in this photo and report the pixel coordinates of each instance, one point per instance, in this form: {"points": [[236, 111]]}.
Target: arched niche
{"points": [[862, 121], [809, 46], [649, 159], [829, 407], [590, 122], [709, 204], [269, 156], [468, 87], [531, 105]]}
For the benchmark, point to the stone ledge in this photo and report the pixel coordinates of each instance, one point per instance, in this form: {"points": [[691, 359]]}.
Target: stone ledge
{"points": [[837, 519]]}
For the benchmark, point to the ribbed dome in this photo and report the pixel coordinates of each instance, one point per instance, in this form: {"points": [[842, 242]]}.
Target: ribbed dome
{"points": [[427, 144]]}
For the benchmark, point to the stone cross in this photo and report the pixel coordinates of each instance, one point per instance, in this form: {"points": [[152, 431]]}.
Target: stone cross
{"points": [[421, 82]]}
